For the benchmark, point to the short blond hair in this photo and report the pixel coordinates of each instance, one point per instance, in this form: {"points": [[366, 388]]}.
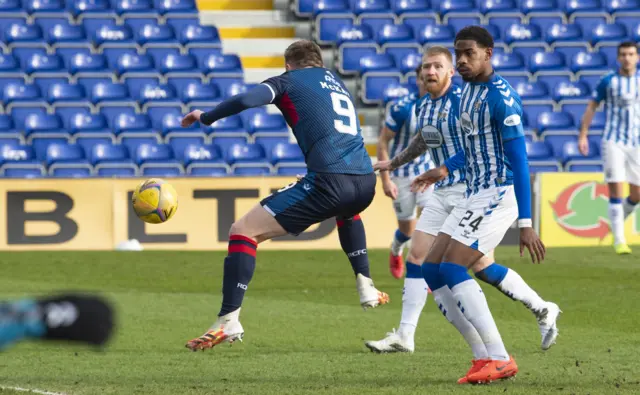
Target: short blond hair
{"points": [[439, 50], [303, 53]]}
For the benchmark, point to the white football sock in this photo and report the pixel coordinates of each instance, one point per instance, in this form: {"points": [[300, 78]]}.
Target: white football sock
{"points": [[448, 306], [616, 216], [516, 288], [628, 208], [473, 304], [414, 297]]}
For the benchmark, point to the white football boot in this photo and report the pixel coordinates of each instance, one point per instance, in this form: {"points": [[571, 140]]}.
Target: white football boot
{"points": [[393, 342], [547, 323], [370, 297], [226, 329]]}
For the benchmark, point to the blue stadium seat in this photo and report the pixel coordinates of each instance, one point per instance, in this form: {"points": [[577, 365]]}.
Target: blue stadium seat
{"points": [[196, 92], [229, 126], [245, 153], [581, 167], [377, 62], [303, 8], [156, 95], [410, 63], [134, 63], [532, 90], [157, 160], [81, 123], [267, 125], [350, 55], [565, 34], [376, 21], [332, 28], [509, 65], [287, 153], [374, 86], [199, 36], [66, 35], [197, 158], [23, 171], [402, 51], [154, 35], [598, 121], [109, 153], [457, 22], [176, 7], [457, 6], [436, 34], [403, 6], [19, 114], [329, 6], [162, 170], [128, 123], [570, 152], [571, 91], [394, 34], [223, 65], [550, 65], [582, 7], [17, 153], [66, 153], [136, 82], [114, 36], [207, 172], [608, 34], [67, 95], [110, 93], [585, 63], [18, 35], [554, 120], [82, 64], [133, 7], [370, 6], [417, 21], [395, 91], [84, 7], [40, 123], [68, 170], [39, 63], [290, 171], [539, 151], [522, 33], [558, 141], [16, 94], [268, 143], [251, 170]]}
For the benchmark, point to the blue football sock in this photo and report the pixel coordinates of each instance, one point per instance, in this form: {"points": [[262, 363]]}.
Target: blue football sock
{"points": [[239, 266], [353, 240]]}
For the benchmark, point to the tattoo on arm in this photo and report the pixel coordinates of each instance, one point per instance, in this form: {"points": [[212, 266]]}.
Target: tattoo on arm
{"points": [[415, 149]]}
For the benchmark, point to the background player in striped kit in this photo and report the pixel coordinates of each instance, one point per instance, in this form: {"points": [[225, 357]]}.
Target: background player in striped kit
{"points": [[620, 91], [498, 193], [440, 135], [399, 130]]}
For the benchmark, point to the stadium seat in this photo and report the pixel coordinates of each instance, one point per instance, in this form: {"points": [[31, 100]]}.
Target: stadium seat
{"points": [[377, 62], [418, 21], [370, 6], [522, 33], [251, 170], [207, 172], [608, 33], [18, 170], [436, 34], [65, 153], [400, 52], [65, 93], [176, 7], [557, 142], [245, 153], [583, 167], [570, 152], [229, 126], [329, 6], [194, 93], [290, 171], [532, 91], [402, 6], [573, 91], [267, 125], [17, 153], [508, 62], [146, 154], [589, 63], [158, 95], [349, 55], [375, 86], [222, 65], [102, 153], [18, 94], [396, 91], [114, 36], [554, 120], [539, 151], [287, 153], [196, 155], [394, 34], [337, 28]]}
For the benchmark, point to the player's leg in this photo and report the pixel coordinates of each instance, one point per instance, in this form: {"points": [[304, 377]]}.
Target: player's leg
{"points": [[633, 177], [483, 223], [69, 317], [353, 241], [631, 202], [414, 297], [510, 283], [245, 234], [615, 167], [404, 207]]}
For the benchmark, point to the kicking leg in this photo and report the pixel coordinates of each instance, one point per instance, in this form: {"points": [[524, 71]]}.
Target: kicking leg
{"points": [[254, 227], [414, 297], [510, 283], [353, 240]]}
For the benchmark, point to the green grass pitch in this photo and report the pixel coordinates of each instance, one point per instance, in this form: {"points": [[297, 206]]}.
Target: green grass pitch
{"points": [[304, 328]]}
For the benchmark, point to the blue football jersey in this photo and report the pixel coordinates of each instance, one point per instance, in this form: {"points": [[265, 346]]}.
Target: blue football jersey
{"points": [[402, 120], [321, 113], [621, 95], [490, 114]]}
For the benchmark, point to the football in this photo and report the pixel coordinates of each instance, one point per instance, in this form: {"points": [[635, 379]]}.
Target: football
{"points": [[155, 201]]}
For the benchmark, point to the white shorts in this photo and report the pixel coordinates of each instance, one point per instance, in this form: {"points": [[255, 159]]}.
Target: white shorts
{"points": [[621, 163], [439, 207], [405, 204], [483, 219]]}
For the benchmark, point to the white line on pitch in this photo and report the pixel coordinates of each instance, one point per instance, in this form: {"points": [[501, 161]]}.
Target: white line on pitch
{"points": [[33, 391]]}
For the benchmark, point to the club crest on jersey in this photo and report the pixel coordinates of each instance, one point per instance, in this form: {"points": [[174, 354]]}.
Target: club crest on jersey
{"points": [[442, 115], [432, 136], [466, 124], [477, 105]]}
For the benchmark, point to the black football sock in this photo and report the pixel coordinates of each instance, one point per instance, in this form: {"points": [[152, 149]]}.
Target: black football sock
{"points": [[76, 317], [239, 266], [354, 243]]}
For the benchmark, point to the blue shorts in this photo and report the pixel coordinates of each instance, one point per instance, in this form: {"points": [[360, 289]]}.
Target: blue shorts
{"points": [[320, 196]]}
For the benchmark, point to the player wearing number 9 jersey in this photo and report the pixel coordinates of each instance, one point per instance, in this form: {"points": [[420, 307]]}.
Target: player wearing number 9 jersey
{"points": [[340, 181]]}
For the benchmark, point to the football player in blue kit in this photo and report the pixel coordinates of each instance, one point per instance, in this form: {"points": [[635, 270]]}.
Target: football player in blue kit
{"points": [[340, 181]]}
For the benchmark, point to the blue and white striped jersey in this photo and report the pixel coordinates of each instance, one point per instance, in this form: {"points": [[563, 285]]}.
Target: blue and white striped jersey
{"points": [[490, 113], [402, 120], [621, 95], [439, 124]]}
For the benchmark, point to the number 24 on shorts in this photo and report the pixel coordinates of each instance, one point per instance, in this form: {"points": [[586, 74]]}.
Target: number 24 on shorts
{"points": [[474, 224]]}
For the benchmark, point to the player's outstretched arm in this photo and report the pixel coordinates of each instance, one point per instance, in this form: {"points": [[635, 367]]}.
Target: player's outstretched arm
{"points": [[258, 96], [416, 148]]}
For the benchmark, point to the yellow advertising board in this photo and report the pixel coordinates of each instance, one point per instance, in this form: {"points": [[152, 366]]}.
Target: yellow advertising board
{"points": [[96, 214], [574, 211]]}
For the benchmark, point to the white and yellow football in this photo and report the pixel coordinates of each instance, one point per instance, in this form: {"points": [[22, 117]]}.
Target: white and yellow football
{"points": [[155, 201]]}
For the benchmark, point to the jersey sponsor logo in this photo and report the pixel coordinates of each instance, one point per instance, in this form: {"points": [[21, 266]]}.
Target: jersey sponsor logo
{"points": [[432, 136], [242, 286], [512, 120], [466, 124]]}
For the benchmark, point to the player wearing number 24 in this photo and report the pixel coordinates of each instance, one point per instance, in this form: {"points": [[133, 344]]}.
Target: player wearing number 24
{"points": [[340, 181]]}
